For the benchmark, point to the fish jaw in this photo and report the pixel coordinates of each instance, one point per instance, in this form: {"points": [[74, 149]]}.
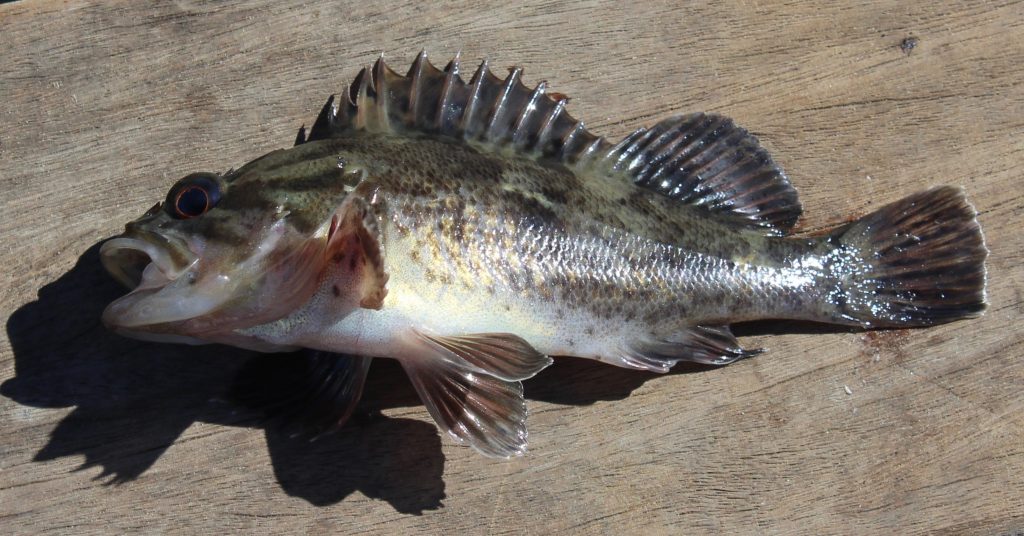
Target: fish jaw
{"points": [[206, 299], [146, 262]]}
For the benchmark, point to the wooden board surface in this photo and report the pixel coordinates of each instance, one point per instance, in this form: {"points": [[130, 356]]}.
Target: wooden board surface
{"points": [[103, 105]]}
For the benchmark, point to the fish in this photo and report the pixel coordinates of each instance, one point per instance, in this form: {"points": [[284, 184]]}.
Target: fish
{"points": [[471, 230]]}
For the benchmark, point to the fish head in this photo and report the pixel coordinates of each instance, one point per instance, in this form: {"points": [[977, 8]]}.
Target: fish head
{"points": [[221, 253]]}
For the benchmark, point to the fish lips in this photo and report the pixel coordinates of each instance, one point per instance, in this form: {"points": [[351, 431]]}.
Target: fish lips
{"points": [[162, 287], [126, 259]]}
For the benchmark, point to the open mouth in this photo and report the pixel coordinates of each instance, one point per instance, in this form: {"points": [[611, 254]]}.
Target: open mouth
{"points": [[186, 290], [134, 262], [158, 293]]}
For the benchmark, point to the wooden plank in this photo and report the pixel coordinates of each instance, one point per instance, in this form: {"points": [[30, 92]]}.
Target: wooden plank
{"points": [[105, 104]]}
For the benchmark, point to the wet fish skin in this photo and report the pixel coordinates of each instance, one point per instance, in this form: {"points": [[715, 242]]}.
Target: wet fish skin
{"points": [[470, 229], [593, 245]]}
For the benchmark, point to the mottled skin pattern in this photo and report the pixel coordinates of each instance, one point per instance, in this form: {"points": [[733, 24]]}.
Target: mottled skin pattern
{"points": [[576, 260], [552, 254]]}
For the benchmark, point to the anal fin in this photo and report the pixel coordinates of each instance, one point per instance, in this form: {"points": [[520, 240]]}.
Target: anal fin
{"points": [[708, 345], [487, 413]]}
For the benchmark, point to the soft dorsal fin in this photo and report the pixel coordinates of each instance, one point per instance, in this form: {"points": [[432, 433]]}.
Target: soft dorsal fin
{"points": [[700, 159], [502, 112], [706, 160]]}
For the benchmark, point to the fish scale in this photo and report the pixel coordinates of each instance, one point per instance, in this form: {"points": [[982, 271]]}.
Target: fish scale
{"points": [[464, 211]]}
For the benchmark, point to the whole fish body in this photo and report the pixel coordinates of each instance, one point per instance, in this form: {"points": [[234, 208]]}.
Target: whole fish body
{"points": [[471, 229]]}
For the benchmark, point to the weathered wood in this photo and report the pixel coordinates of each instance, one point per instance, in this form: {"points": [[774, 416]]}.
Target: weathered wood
{"points": [[104, 105]]}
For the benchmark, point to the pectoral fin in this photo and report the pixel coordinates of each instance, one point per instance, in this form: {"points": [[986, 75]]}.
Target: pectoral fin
{"points": [[502, 355], [355, 256], [487, 413]]}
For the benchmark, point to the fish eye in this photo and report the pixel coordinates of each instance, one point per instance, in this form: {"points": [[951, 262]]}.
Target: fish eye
{"points": [[193, 196]]}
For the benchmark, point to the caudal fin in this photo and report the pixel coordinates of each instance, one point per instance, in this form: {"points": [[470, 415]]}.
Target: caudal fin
{"points": [[916, 262]]}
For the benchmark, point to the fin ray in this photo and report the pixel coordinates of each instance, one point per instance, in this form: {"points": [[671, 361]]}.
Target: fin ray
{"points": [[708, 345], [485, 109], [487, 413], [314, 392], [918, 261], [501, 355], [707, 161]]}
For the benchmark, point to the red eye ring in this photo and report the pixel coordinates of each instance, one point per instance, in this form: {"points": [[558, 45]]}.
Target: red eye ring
{"points": [[193, 196], [192, 201]]}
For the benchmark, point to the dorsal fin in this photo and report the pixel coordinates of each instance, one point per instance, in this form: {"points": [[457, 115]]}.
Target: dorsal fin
{"points": [[706, 160], [489, 109], [700, 159]]}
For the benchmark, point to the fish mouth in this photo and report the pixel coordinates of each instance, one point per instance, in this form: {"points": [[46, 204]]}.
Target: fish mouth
{"points": [[155, 273], [188, 289], [127, 260]]}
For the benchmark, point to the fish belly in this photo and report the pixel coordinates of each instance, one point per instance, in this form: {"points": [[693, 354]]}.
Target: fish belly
{"points": [[549, 325], [589, 295]]}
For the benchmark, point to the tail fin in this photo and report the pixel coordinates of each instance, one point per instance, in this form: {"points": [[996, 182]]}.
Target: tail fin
{"points": [[920, 261]]}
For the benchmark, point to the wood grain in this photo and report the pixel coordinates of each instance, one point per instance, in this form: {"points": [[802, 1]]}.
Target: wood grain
{"points": [[103, 105]]}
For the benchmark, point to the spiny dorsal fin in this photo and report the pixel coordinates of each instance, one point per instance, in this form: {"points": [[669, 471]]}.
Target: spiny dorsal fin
{"points": [[502, 112], [708, 161], [700, 159]]}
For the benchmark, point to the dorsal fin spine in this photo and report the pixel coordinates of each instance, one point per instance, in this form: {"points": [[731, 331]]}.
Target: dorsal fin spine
{"points": [[495, 124], [453, 65], [570, 138], [476, 82], [380, 81], [520, 135], [487, 109], [362, 98], [548, 124], [322, 126], [593, 148], [415, 87], [451, 77]]}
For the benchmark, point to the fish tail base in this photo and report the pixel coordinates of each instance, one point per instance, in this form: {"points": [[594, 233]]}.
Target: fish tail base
{"points": [[917, 262]]}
